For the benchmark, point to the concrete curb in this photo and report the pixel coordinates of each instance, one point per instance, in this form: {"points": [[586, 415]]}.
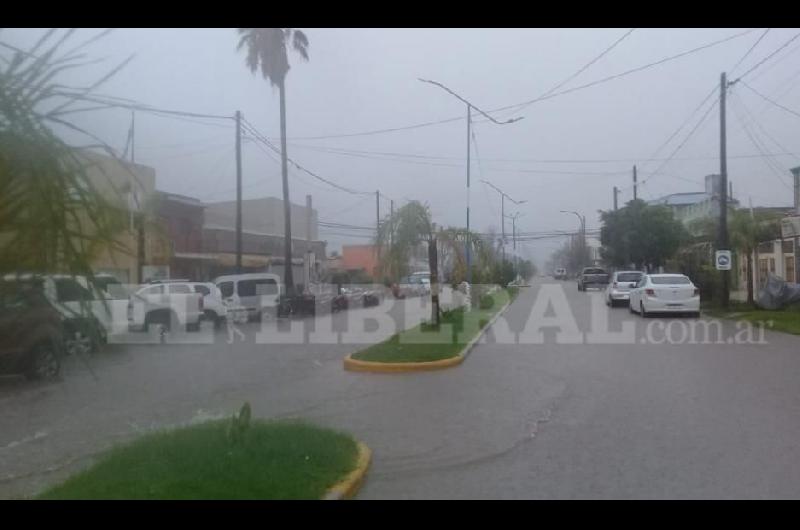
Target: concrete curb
{"points": [[348, 487], [355, 365]]}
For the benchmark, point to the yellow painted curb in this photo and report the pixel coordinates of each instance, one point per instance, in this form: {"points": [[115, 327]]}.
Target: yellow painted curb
{"points": [[347, 487], [355, 365]]}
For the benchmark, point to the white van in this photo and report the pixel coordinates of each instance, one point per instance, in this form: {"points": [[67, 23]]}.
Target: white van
{"points": [[259, 293]]}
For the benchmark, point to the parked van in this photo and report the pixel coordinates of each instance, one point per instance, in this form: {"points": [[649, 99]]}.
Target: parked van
{"points": [[259, 293]]}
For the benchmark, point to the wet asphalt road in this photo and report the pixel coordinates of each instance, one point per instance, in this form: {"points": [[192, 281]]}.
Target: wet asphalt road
{"points": [[623, 419]]}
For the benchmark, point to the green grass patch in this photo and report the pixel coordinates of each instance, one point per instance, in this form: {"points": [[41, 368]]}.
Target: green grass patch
{"points": [[272, 460], [787, 321], [426, 342]]}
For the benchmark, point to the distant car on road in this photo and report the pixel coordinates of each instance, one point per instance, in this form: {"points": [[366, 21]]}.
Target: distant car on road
{"points": [[665, 293], [560, 274], [619, 288], [592, 277]]}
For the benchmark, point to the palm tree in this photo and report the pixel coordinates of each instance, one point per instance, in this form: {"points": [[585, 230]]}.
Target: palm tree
{"points": [[53, 218], [406, 229], [267, 51], [747, 230]]}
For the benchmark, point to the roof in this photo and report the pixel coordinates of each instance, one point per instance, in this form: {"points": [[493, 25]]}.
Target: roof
{"points": [[191, 201], [682, 199]]}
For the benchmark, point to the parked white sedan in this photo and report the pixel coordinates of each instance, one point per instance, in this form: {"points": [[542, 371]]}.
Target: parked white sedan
{"points": [[665, 293]]}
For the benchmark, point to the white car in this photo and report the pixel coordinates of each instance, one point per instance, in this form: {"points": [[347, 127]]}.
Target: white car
{"points": [[665, 293], [620, 285], [165, 304], [258, 293]]}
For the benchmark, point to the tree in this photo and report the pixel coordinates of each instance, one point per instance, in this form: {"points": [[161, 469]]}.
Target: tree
{"points": [[642, 235], [410, 226], [267, 51], [52, 216], [747, 229]]}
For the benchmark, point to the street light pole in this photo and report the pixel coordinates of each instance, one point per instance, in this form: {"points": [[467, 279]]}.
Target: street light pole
{"points": [[470, 106], [582, 220], [503, 196]]}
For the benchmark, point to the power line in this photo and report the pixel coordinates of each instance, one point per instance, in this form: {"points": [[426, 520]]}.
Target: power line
{"points": [[760, 146], [768, 57], [680, 146], [750, 50], [379, 155], [260, 137], [540, 98], [586, 66], [765, 98]]}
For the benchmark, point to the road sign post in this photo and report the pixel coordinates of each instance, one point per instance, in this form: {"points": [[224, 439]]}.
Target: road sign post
{"points": [[723, 260]]}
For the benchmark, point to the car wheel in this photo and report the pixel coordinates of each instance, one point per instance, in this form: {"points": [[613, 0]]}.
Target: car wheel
{"points": [[44, 363], [78, 342]]}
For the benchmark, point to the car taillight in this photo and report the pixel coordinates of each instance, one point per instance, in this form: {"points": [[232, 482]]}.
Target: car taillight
{"points": [[650, 292], [615, 285], [697, 292]]}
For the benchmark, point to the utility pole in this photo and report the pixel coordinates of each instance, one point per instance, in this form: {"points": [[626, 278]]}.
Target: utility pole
{"points": [[377, 211], [309, 252], [616, 192], [796, 174], [503, 224], [722, 243], [238, 192], [391, 239], [635, 195], [467, 249]]}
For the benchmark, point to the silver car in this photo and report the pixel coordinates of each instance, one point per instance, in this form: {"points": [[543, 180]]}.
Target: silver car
{"points": [[620, 285]]}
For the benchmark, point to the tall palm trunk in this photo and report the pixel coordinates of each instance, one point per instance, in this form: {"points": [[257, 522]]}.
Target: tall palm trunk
{"points": [[749, 267], [288, 276], [434, 269]]}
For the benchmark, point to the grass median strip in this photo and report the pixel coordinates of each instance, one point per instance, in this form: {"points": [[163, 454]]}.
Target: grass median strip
{"points": [[270, 460], [427, 343], [786, 320]]}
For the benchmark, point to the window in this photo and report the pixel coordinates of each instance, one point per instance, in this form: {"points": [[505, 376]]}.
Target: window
{"points": [[772, 265], [629, 277], [226, 288], [766, 247], [202, 289], [156, 289], [257, 287], [180, 289], [69, 290], [670, 280], [787, 246], [789, 269]]}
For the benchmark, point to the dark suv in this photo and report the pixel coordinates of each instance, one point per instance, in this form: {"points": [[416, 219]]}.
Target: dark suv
{"points": [[32, 331]]}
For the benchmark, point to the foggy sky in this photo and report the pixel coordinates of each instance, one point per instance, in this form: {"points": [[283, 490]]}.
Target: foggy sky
{"points": [[366, 79]]}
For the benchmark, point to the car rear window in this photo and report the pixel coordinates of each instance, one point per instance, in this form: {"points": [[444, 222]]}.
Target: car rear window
{"points": [[202, 289], [670, 280], [594, 271], [629, 277], [257, 287], [69, 290]]}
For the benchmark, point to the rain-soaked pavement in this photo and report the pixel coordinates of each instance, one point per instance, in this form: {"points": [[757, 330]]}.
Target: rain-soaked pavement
{"points": [[597, 416]]}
